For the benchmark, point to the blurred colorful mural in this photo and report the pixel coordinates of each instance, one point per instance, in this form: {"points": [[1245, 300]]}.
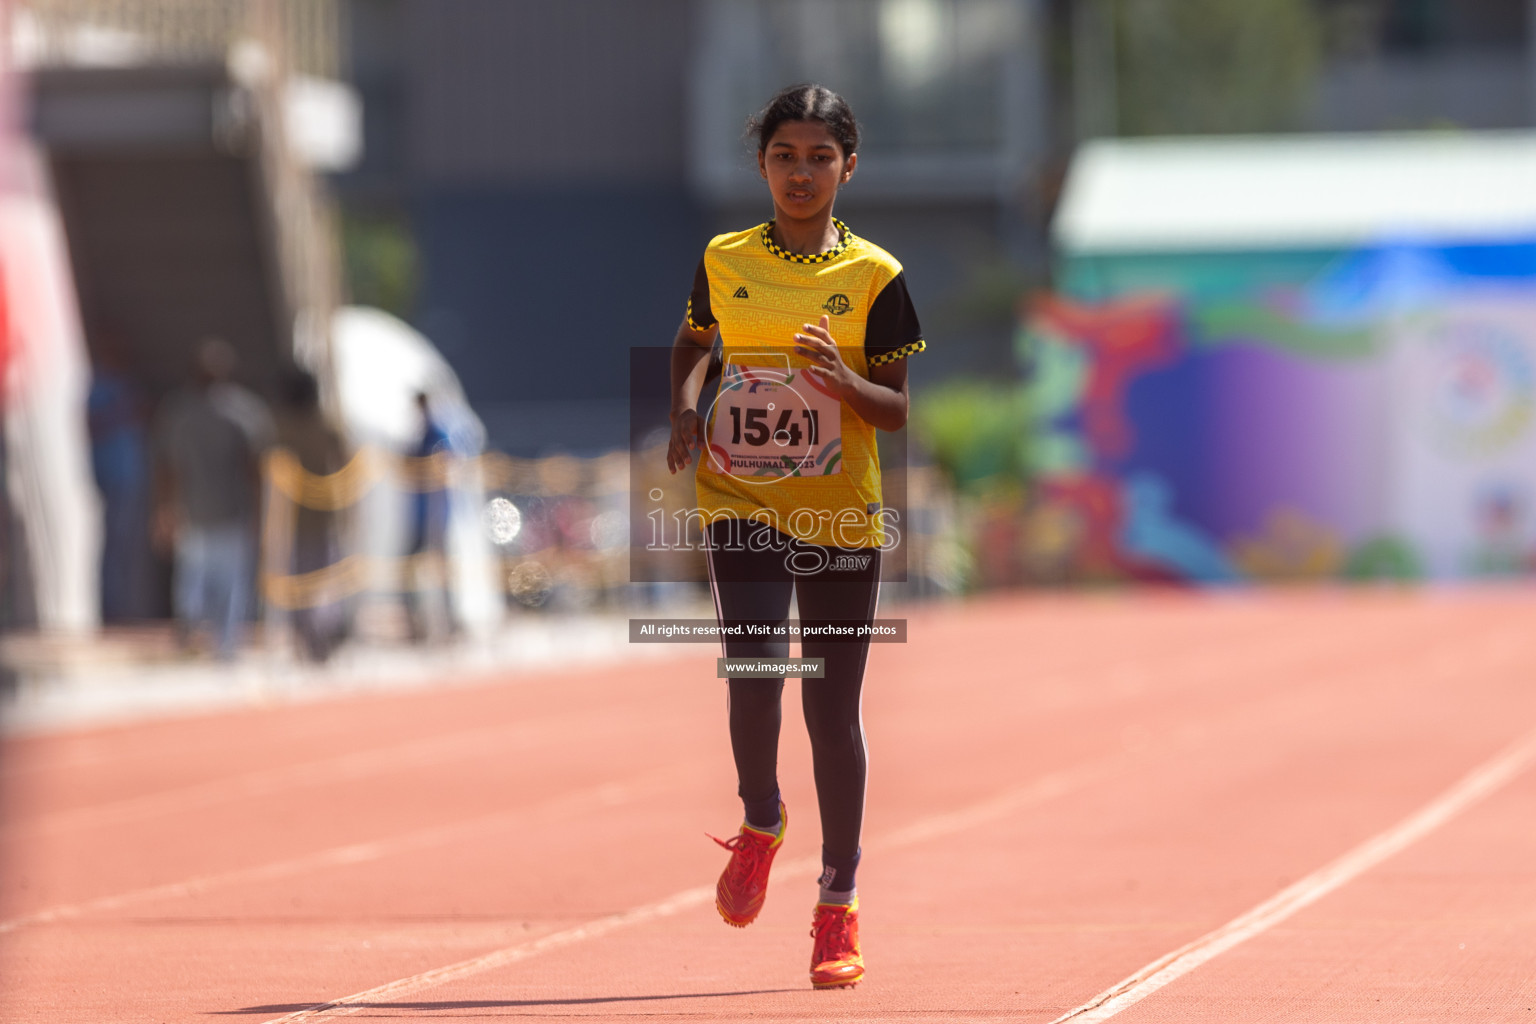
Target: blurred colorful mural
{"points": [[1376, 421]]}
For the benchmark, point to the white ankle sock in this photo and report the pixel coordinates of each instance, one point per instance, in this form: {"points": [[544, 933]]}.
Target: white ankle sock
{"points": [[841, 898]]}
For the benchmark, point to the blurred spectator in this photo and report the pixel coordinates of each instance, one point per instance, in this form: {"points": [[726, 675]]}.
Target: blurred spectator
{"points": [[120, 461], [428, 588], [209, 441], [304, 430]]}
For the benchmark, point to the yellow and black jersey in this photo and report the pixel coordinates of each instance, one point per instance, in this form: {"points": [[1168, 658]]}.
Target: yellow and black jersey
{"points": [[780, 449]]}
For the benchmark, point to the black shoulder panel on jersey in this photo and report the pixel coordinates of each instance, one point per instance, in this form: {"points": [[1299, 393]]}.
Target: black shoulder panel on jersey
{"points": [[891, 331], [700, 316]]}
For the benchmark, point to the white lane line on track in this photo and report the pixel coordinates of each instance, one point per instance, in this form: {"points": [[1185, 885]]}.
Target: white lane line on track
{"points": [[1481, 782], [421, 752], [684, 900], [935, 826], [371, 762], [349, 767], [606, 795]]}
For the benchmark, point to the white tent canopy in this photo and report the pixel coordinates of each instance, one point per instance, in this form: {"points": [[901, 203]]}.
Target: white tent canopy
{"points": [[381, 364], [1296, 191]]}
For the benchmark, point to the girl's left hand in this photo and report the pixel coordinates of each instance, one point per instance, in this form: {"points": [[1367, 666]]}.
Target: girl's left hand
{"points": [[817, 345]]}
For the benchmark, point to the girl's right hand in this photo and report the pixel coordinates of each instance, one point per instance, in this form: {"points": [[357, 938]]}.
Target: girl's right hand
{"points": [[687, 434]]}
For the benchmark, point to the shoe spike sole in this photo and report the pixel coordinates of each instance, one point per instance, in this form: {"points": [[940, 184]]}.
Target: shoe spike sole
{"points": [[823, 985]]}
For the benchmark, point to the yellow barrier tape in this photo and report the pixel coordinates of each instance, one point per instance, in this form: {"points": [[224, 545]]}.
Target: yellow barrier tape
{"points": [[344, 578], [334, 492], [346, 486]]}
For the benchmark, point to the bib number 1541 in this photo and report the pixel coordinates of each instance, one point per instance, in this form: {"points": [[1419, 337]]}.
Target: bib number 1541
{"points": [[772, 422], [757, 432]]}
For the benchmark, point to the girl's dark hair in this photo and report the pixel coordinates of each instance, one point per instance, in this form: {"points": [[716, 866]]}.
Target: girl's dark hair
{"points": [[806, 102]]}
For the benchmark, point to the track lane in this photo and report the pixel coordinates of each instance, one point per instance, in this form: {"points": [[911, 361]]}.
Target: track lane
{"points": [[1135, 699], [1445, 930], [1117, 874]]}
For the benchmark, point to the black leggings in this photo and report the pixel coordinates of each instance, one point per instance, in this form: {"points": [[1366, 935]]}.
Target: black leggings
{"points": [[754, 569]]}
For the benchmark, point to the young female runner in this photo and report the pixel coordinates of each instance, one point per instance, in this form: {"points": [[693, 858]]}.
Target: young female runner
{"points": [[815, 325]]}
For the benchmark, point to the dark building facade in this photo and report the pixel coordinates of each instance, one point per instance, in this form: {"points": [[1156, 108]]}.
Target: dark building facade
{"points": [[537, 151], [559, 166]]}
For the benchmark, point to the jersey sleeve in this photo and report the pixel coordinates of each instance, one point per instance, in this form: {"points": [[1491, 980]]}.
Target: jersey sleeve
{"points": [[892, 331], [700, 316]]}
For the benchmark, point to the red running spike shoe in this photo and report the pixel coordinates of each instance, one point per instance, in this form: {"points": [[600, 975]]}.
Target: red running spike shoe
{"points": [[836, 961], [744, 882]]}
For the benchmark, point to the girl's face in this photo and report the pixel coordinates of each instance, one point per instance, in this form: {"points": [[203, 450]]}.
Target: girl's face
{"points": [[804, 166]]}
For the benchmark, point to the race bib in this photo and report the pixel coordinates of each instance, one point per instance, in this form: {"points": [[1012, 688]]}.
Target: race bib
{"points": [[770, 422]]}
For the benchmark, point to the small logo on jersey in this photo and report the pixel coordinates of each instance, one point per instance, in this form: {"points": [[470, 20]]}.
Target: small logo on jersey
{"points": [[740, 293], [837, 305]]}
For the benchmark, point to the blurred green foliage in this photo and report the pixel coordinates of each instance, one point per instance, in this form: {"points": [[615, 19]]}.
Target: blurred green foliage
{"points": [[1383, 559], [382, 265], [1214, 66], [977, 432]]}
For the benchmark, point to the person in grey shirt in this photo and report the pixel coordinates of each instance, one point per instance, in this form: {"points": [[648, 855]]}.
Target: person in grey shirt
{"points": [[209, 440]]}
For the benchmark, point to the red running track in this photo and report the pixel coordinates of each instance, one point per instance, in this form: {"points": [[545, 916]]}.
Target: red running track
{"points": [[1063, 790]]}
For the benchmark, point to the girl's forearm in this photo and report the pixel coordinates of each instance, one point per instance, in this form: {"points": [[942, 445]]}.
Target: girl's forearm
{"points": [[881, 407], [690, 364]]}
